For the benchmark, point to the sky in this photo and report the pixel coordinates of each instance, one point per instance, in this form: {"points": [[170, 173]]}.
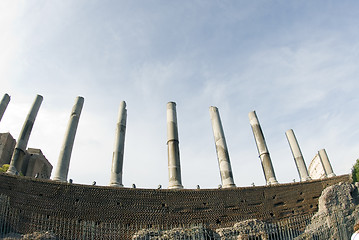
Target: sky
{"points": [[294, 62]]}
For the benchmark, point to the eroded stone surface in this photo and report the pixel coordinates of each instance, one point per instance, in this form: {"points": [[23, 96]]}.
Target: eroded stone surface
{"points": [[338, 211], [31, 236]]}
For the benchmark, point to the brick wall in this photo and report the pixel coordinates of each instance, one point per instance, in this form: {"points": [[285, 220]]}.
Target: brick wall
{"points": [[146, 207]]}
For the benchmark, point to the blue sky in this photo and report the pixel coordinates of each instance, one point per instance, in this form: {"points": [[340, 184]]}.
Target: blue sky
{"points": [[294, 62]]}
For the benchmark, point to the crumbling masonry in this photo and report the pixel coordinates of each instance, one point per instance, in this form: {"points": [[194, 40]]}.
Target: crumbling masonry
{"points": [[32, 202]]}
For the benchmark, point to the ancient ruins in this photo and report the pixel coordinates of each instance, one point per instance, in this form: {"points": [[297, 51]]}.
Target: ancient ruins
{"points": [[31, 202]]}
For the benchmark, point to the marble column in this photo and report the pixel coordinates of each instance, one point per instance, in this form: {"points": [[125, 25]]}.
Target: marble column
{"points": [[326, 164], [221, 149], [20, 147], [297, 155], [262, 149], [174, 166], [3, 105], [63, 162], [117, 157]]}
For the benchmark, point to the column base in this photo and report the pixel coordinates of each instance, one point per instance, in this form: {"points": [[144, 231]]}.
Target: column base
{"points": [[177, 186], [12, 170], [272, 181], [58, 179], [306, 179], [116, 185], [229, 186]]}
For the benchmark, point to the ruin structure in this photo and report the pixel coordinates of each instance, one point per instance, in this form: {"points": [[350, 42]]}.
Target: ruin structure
{"points": [[3, 104], [32, 202], [34, 162], [297, 155], [224, 163], [7, 146], [325, 162], [19, 153], [63, 163], [262, 149], [174, 165], [320, 166], [73, 211], [119, 148], [36, 165]]}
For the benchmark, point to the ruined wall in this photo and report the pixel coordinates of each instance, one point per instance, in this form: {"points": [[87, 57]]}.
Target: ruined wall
{"points": [[146, 207], [316, 169], [34, 163], [7, 145]]}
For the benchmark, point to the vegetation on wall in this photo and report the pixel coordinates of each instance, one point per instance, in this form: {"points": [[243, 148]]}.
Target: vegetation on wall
{"points": [[4, 167], [355, 171]]}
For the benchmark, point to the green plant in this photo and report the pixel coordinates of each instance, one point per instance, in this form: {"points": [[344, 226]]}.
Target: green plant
{"points": [[355, 171], [4, 167]]}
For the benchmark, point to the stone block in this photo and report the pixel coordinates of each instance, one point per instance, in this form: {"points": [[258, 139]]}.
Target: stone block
{"points": [[36, 164], [7, 145]]}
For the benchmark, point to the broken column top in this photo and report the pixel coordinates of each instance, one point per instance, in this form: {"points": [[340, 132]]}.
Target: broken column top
{"points": [[76, 110], [253, 120], [3, 104], [6, 98]]}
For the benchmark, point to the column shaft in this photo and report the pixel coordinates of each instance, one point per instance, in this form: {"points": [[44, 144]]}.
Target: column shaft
{"points": [[262, 149], [174, 166], [63, 162], [3, 105], [117, 157], [326, 164], [221, 149], [297, 155], [20, 148]]}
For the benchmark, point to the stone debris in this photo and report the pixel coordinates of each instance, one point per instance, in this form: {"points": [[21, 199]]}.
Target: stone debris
{"points": [[338, 211], [31, 236], [244, 229], [198, 233], [337, 214]]}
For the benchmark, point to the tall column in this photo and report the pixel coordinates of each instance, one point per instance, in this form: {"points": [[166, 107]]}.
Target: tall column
{"points": [[20, 148], [326, 164], [117, 157], [262, 149], [221, 149], [174, 166], [297, 155], [63, 162], [3, 105]]}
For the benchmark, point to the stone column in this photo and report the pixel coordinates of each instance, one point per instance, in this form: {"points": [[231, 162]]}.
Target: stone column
{"points": [[3, 105], [63, 162], [221, 149], [297, 155], [117, 157], [262, 149], [20, 148], [174, 166], [326, 164]]}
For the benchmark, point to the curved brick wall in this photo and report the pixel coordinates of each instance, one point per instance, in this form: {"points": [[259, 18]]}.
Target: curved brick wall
{"points": [[146, 207]]}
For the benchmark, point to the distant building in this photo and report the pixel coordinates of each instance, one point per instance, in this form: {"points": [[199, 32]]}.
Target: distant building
{"points": [[7, 145], [34, 163]]}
